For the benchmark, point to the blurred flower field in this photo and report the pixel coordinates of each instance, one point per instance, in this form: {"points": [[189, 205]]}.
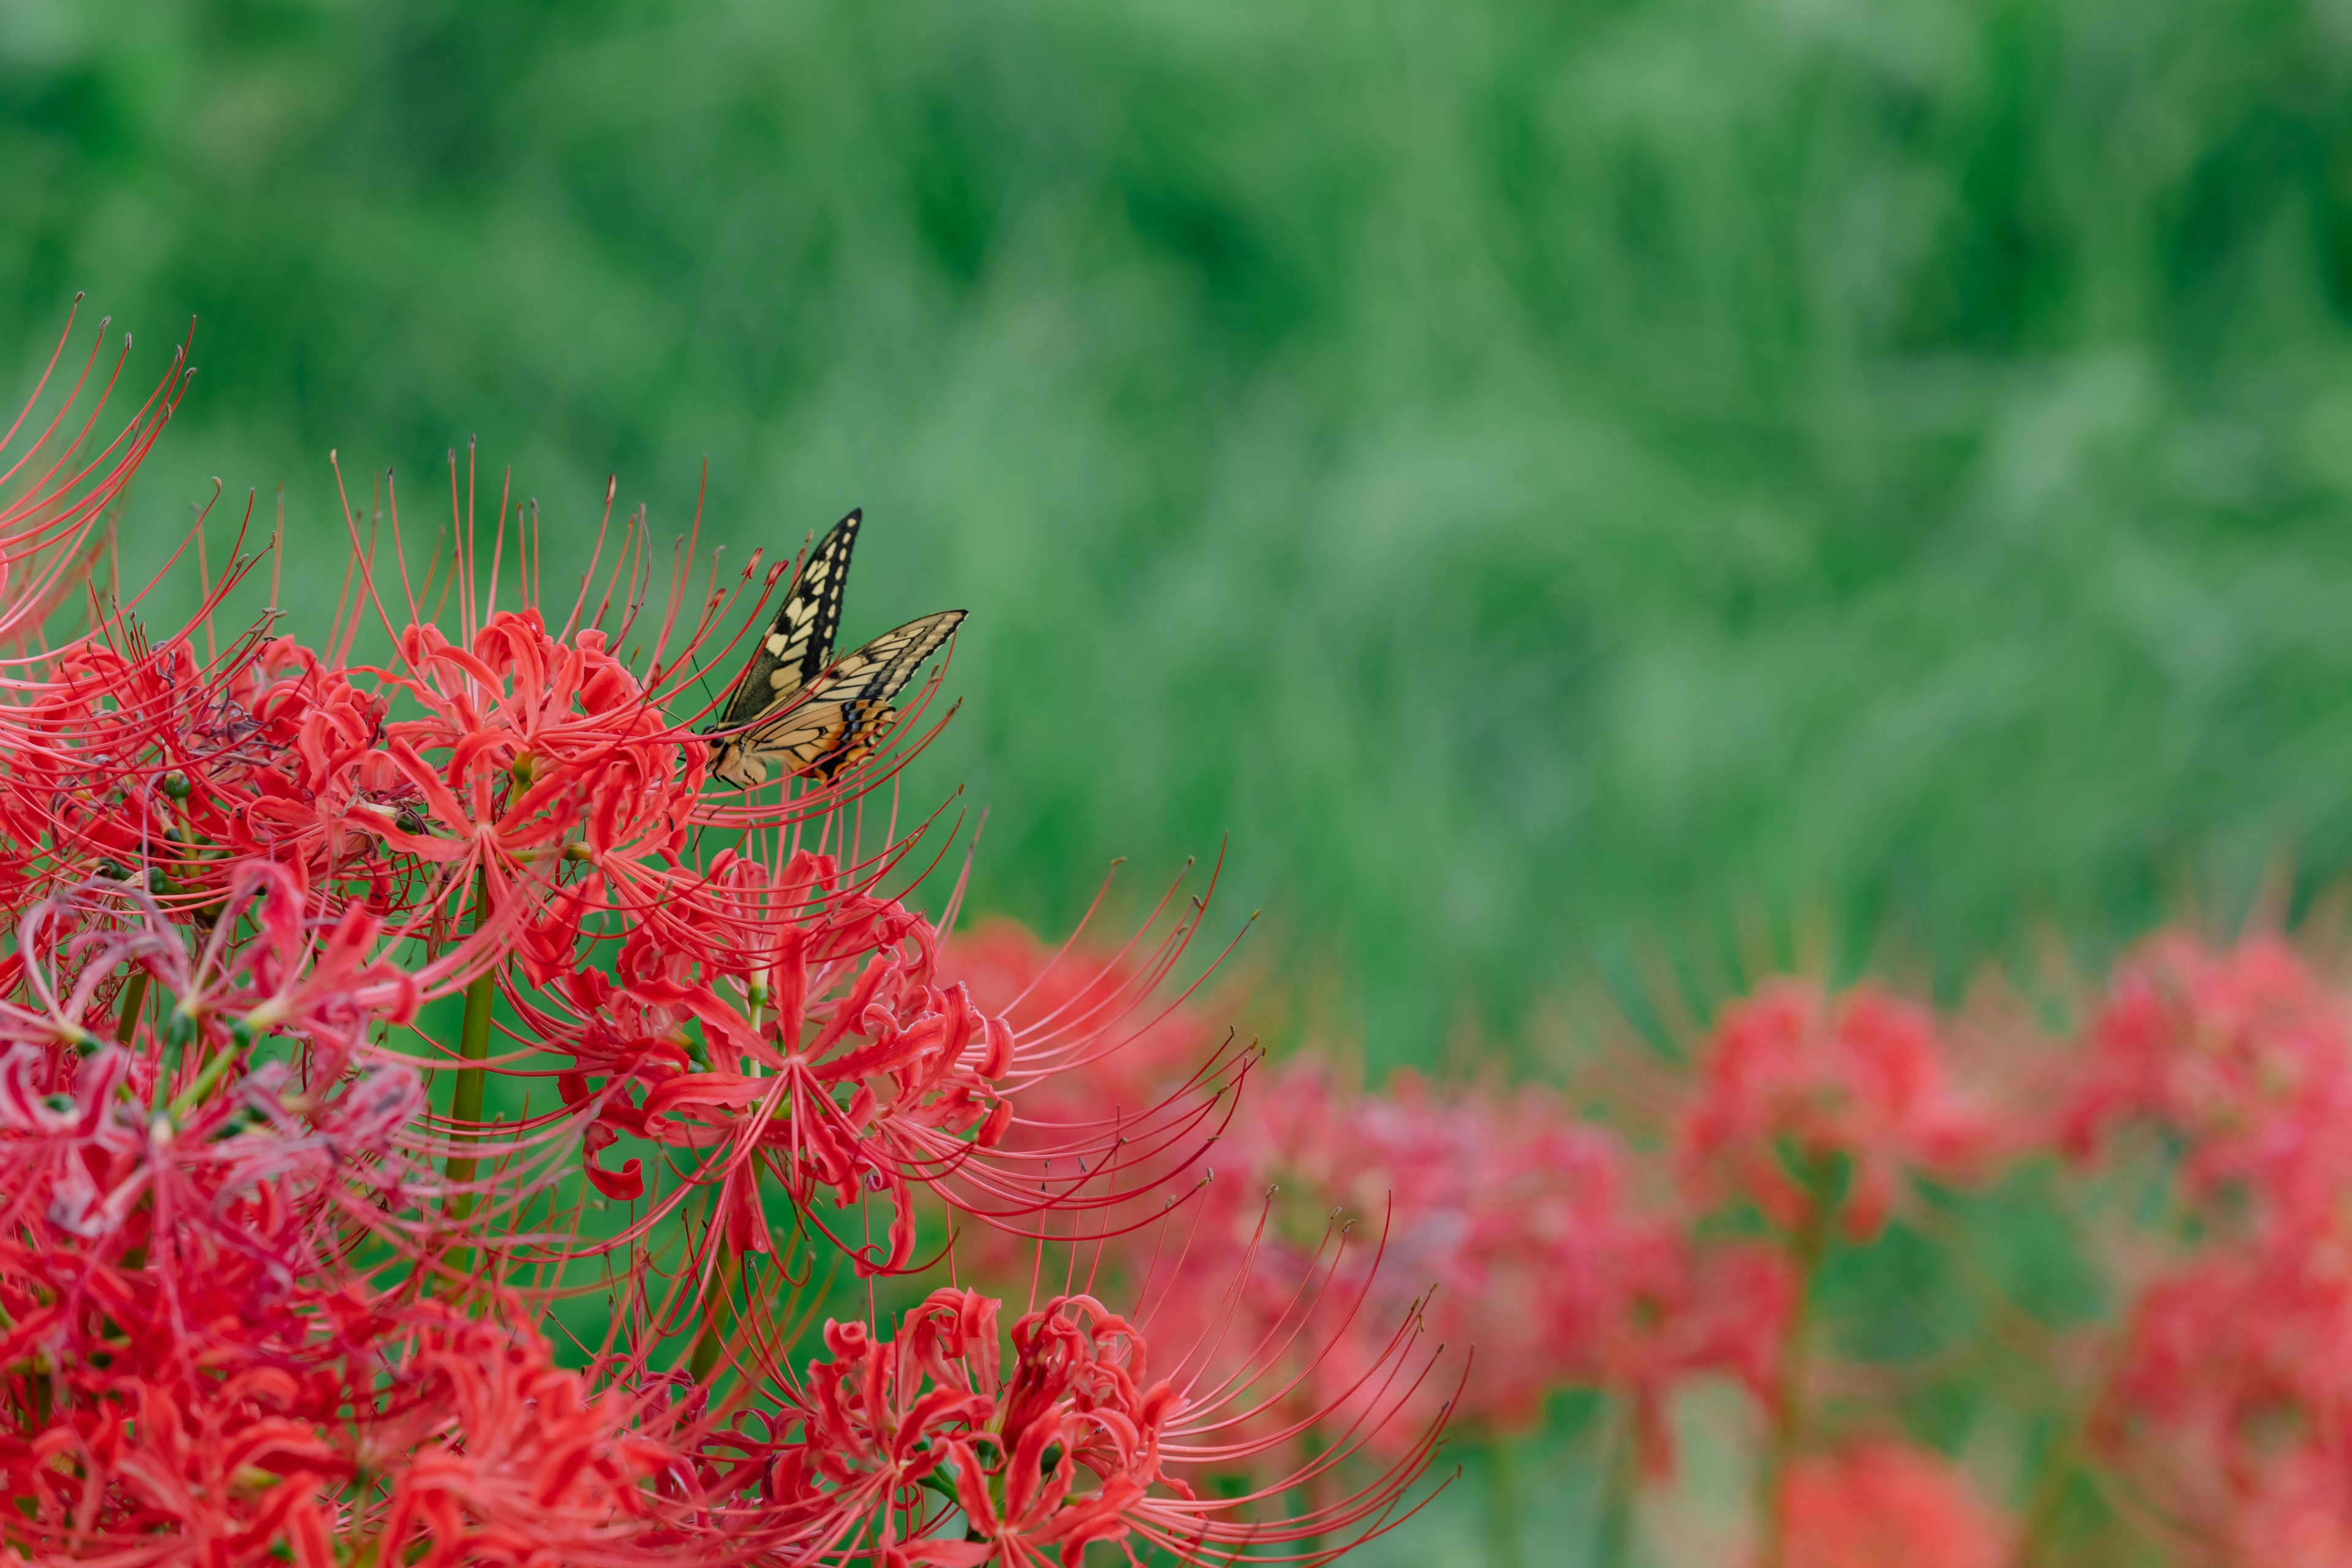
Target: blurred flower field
{"points": [[1753, 594], [2055, 1276]]}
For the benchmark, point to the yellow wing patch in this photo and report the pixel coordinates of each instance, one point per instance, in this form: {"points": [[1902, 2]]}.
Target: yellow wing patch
{"points": [[836, 721], [799, 645]]}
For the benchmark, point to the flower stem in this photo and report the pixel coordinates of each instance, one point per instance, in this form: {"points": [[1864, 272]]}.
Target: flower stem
{"points": [[134, 1001], [215, 1071], [718, 1311], [1619, 1486], [2058, 1466], [1502, 1505], [1810, 1242], [466, 1103], [473, 1046]]}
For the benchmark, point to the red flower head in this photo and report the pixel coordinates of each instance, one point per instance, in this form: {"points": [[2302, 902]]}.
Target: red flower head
{"points": [[1886, 1503], [2300, 1518], [934, 1446], [1793, 1077], [2246, 1054], [2234, 1389]]}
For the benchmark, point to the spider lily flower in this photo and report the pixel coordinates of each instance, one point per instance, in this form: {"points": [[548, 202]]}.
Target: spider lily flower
{"points": [[1542, 1256], [1888, 1502], [210, 1351], [409, 1432], [2232, 1378], [859, 1070], [530, 747], [2245, 1055], [933, 1445], [1793, 1079]]}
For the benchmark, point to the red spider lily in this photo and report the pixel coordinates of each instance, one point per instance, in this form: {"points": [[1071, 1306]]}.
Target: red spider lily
{"points": [[196, 1371], [1681, 1310], [928, 1448], [1079, 1007], [1791, 1077], [851, 1066], [1509, 1208], [2233, 1386], [2232, 1392], [533, 752], [2246, 1054], [544, 785], [144, 761], [881, 1080], [423, 1435], [1887, 1502], [1117, 1082], [2301, 1515], [1524, 1221]]}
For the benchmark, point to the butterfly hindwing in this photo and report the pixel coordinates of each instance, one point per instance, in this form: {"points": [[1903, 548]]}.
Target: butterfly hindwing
{"points": [[820, 740], [799, 644], [835, 721]]}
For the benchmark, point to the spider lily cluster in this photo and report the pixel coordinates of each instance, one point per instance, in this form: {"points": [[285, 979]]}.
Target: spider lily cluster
{"points": [[1681, 1237], [437, 1128]]}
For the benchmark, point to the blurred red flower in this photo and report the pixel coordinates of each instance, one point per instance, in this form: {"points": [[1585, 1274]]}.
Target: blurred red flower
{"points": [[1889, 1505], [1792, 1079]]}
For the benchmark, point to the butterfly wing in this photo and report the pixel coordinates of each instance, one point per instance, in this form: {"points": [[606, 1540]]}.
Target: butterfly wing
{"points": [[841, 714], [799, 645]]}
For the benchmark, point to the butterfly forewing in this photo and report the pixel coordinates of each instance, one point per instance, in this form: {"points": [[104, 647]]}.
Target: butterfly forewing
{"points": [[798, 646], [842, 715]]}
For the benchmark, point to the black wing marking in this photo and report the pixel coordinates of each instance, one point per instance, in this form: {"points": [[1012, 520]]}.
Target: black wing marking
{"points": [[838, 720], [799, 645]]}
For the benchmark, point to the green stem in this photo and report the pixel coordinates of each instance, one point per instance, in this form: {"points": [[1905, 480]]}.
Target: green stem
{"points": [[2059, 1463], [473, 1046], [1811, 1241], [719, 1310], [1502, 1506], [206, 1081], [1313, 1494], [466, 1102], [1622, 1482], [134, 1001]]}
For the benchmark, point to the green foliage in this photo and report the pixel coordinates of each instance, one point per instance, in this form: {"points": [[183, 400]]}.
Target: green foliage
{"points": [[1541, 475]]}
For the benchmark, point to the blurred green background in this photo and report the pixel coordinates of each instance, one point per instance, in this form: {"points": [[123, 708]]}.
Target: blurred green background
{"points": [[1547, 477]]}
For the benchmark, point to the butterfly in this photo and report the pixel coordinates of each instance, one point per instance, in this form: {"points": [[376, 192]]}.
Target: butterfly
{"points": [[800, 706]]}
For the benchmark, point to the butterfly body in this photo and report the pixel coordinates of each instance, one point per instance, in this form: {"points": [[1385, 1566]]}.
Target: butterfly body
{"points": [[799, 706]]}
